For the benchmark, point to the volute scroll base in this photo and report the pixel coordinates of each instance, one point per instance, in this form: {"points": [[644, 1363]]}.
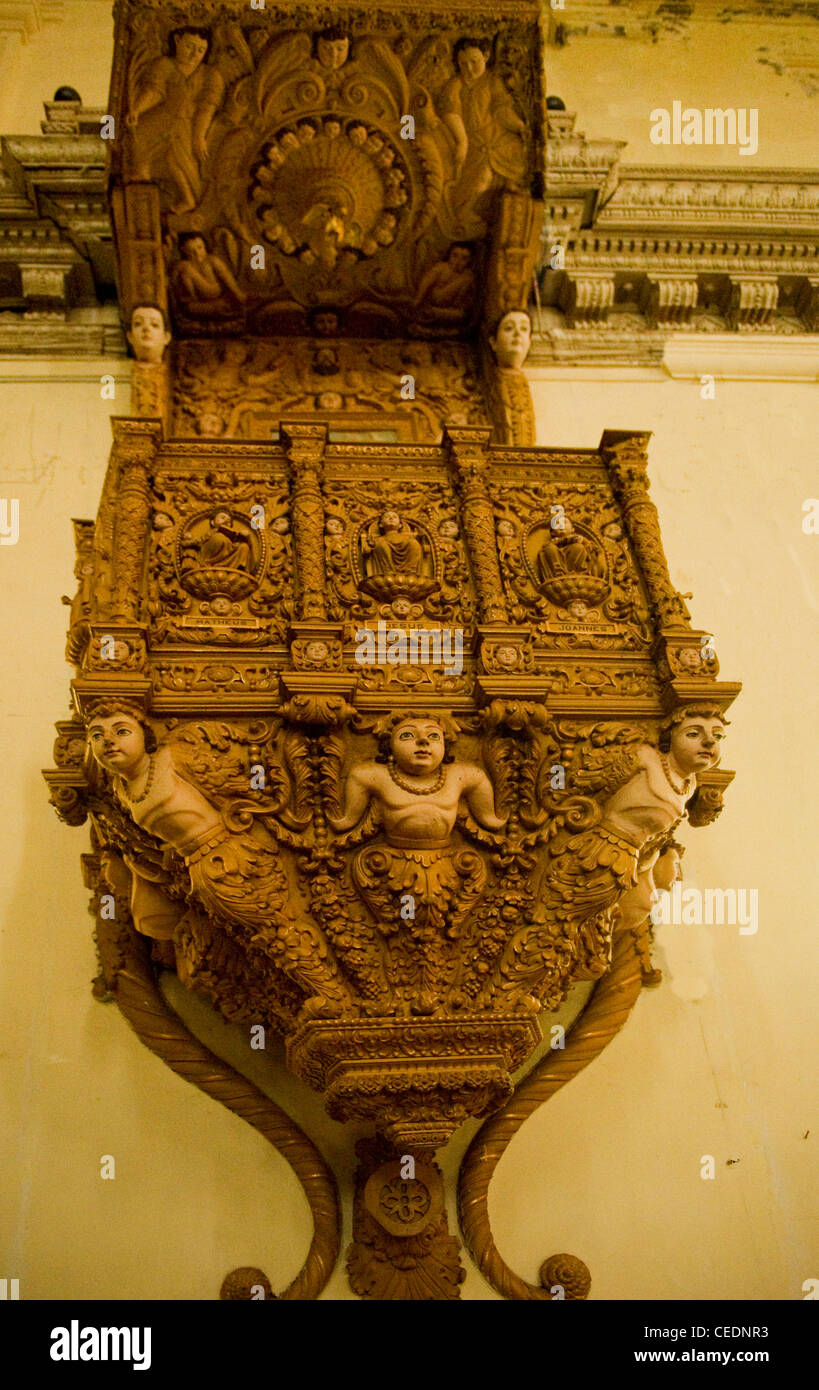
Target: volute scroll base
{"points": [[129, 979], [561, 1276]]}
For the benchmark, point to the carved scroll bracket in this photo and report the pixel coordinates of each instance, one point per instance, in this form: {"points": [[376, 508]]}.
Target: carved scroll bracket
{"points": [[516, 240], [305, 443], [468, 458]]}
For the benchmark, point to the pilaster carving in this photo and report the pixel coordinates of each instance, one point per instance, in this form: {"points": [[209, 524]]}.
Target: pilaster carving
{"points": [[134, 452], [627, 462], [150, 391], [305, 450], [467, 452], [135, 210]]}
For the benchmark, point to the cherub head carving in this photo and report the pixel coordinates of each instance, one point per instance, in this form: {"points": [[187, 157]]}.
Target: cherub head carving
{"points": [[148, 332], [512, 338], [332, 47], [119, 737], [692, 737], [471, 57], [416, 741]]}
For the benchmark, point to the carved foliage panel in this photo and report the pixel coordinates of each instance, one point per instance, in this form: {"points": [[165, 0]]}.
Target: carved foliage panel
{"points": [[243, 389]]}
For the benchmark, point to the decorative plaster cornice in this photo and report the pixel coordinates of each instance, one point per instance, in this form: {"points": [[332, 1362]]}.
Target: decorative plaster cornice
{"points": [[787, 34], [27, 17], [56, 256], [633, 254]]}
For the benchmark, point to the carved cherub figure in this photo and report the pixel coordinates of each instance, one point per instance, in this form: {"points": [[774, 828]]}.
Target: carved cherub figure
{"points": [[235, 875], [486, 130], [170, 116], [630, 800], [416, 784], [203, 281], [445, 290], [148, 332]]}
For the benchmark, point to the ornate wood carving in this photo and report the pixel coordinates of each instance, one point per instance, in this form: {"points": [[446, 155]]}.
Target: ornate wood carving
{"points": [[385, 719], [401, 1244]]}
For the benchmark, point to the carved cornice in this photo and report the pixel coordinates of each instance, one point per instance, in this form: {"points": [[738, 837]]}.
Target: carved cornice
{"points": [[633, 254], [56, 254], [27, 17]]}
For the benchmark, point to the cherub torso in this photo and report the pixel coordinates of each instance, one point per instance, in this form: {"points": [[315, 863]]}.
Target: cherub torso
{"points": [[173, 810], [647, 803]]}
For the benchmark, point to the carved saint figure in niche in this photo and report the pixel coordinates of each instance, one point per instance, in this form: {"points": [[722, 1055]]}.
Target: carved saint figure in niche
{"points": [[416, 784], [236, 876], [171, 114], [397, 550], [148, 332], [568, 552], [219, 554], [631, 800], [395, 558], [224, 545], [486, 129], [445, 291], [203, 282], [512, 339]]}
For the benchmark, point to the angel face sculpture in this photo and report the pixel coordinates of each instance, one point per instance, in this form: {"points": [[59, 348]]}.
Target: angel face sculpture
{"points": [[148, 333], [332, 48], [512, 339], [417, 785]]}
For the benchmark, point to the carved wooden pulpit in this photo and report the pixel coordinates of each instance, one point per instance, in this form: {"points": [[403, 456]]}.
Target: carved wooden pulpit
{"points": [[385, 717]]}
